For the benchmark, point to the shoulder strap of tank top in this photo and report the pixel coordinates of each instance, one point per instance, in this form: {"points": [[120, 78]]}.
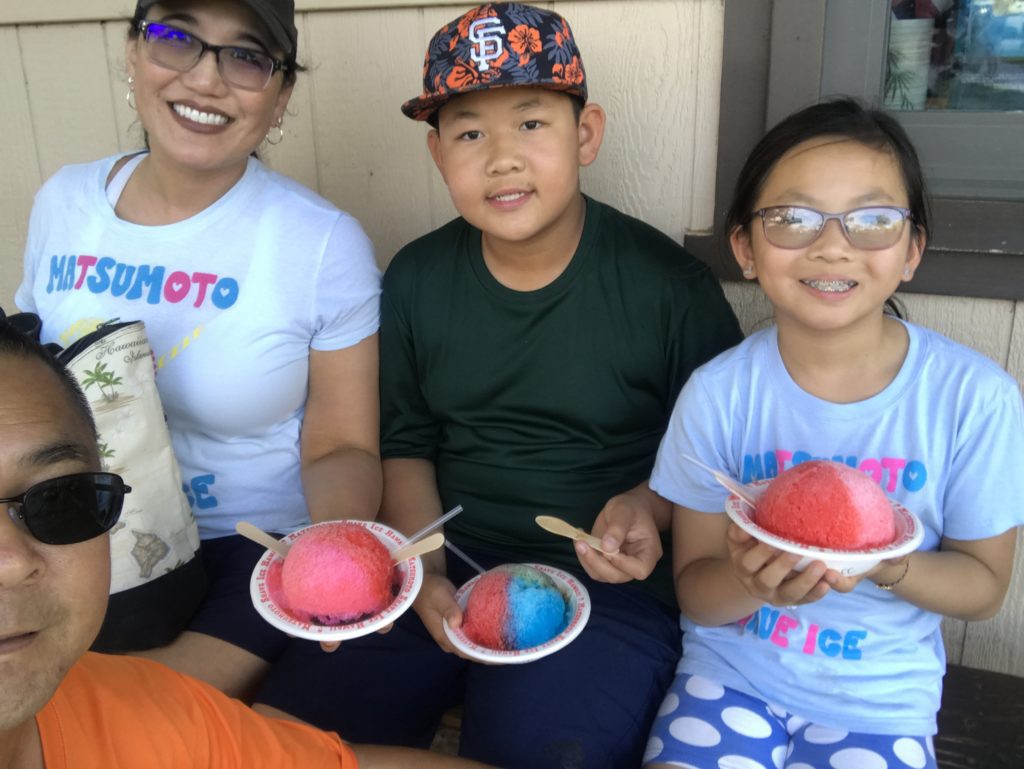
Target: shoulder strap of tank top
{"points": [[120, 180]]}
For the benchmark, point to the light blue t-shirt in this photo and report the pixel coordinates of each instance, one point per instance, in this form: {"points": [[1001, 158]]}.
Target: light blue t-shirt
{"points": [[945, 438], [233, 300]]}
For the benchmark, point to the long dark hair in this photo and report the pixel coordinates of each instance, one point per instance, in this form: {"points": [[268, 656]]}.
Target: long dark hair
{"points": [[843, 118]]}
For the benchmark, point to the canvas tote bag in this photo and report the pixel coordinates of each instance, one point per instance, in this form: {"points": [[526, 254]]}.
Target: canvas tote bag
{"points": [[157, 578]]}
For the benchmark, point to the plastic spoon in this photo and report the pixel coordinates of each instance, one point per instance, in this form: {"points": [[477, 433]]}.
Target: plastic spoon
{"points": [[746, 493], [260, 537], [419, 547], [566, 529]]}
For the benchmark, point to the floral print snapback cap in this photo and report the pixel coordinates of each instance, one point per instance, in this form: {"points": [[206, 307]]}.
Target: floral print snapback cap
{"points": [[499, 45]]}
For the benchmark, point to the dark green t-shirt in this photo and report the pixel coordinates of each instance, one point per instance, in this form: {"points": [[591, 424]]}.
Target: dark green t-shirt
{"points": [[545, 402]]}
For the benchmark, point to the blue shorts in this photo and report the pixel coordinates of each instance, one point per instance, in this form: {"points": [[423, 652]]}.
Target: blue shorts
{"points": [[589, 705], [704, 725]]}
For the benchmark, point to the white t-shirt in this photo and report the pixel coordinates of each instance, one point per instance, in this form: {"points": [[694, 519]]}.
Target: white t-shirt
{"points": [[945, 438], [233, 300]]}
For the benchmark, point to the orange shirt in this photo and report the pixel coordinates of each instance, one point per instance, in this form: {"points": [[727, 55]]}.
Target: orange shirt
{"points": [[130, 713]]}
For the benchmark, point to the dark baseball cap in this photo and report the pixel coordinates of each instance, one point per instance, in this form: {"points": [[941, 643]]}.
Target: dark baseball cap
{"points": [[499, 45], [277, 15]]}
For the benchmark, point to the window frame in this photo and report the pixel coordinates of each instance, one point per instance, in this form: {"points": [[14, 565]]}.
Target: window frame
{"points": [[782, 55]]}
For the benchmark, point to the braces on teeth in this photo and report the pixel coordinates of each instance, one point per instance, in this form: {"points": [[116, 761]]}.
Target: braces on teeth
{"points": [[830, 286]]}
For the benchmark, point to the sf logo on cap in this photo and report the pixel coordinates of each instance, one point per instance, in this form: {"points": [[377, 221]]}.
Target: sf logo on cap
{"points": [[487, 41]]}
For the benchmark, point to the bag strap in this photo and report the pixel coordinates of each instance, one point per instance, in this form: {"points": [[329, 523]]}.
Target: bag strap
{"points": [[31, 325]]}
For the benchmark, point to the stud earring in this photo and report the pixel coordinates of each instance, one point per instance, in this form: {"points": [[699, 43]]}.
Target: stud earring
{"points": [[748, 271], [280, 132], [907, 274], [130, 95]]}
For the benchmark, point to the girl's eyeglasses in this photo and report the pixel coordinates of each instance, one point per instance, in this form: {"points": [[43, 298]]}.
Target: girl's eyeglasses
{"points": [[179, 50], [71, 508], [871, 229]]}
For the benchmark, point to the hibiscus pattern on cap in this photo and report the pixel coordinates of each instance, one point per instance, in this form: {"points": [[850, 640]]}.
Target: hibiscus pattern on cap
{"points": [[499, 45]]}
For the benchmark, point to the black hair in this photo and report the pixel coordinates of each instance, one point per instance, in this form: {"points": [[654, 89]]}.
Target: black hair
{"points": [[842, 118], [577, 109], [15, 343]]}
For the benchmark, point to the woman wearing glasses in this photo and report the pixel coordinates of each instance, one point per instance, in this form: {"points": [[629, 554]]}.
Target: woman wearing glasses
{"points": [[259, 297], [812, 668]]}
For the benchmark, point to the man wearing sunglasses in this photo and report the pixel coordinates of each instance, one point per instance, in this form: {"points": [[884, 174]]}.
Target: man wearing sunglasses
{"points": [[61, 706]]}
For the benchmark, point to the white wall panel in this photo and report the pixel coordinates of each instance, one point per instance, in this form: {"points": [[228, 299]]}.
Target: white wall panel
{"points": [[372, 160], [643, 63], [296, 155], [20, 164], [72, 105]]}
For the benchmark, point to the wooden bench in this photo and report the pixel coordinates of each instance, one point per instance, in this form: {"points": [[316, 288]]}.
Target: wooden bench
{"points": [[981, 723], [446, 740]]}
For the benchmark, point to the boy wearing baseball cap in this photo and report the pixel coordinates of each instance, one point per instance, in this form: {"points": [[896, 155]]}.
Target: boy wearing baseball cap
{"points": [[531, 351]]}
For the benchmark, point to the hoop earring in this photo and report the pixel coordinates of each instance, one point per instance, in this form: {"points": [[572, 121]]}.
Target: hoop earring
{"points": [[280, 132], [130, 95]]}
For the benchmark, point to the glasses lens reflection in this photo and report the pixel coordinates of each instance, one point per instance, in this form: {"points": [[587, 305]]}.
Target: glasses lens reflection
{"points": [[179, 50], [870, 229]]}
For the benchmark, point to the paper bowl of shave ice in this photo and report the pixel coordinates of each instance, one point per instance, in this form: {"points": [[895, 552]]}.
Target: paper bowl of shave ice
{"points": [[518, 613], [830, 512], [337, 582]]}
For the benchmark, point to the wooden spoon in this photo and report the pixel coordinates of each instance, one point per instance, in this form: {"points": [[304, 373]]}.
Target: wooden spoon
{"points": [[260, 537], [744, 492], [409, 550], [419, 547], [566, 529]]}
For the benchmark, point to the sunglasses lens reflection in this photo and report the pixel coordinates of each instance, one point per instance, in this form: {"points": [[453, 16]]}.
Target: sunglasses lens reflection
{"points": [[74, 508]]}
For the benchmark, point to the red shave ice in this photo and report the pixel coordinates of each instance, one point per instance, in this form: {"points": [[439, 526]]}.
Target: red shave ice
{"points": [[334, 574], [827, 504]]}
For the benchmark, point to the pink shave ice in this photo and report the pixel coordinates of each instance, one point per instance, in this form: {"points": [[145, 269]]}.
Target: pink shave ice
{"points": [[335, 574], [827, 504]]}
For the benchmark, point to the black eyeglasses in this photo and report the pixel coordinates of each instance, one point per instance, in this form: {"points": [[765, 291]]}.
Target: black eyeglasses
{"points": [[71, 508], [176, 49], [872, 228]]}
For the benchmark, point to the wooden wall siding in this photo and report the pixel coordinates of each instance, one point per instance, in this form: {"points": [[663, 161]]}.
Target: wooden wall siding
{"points": [[653, 64], [344, 134]]}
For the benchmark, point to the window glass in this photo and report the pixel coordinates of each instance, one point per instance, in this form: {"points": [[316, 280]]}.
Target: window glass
{"points": [[955, 55]]}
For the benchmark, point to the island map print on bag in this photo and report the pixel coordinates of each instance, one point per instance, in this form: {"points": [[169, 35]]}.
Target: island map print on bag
{"points": [[116, 374]]}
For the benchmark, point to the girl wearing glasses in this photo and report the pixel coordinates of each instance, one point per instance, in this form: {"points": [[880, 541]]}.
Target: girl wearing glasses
{"points": [[799, 669], [260, 300]]}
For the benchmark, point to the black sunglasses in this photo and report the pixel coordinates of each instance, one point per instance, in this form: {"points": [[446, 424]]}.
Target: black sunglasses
{"points": [[71, 508]]}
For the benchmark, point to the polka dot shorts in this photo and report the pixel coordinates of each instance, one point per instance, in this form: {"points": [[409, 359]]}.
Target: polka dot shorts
{"points": [[704, 725]]}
